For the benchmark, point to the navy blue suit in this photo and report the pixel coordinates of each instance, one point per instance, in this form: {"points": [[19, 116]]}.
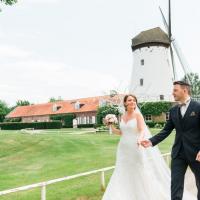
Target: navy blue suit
{"points": [[185, 148]]}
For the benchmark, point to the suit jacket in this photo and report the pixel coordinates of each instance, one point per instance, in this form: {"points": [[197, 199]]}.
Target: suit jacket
{"points": [[187, 130]]}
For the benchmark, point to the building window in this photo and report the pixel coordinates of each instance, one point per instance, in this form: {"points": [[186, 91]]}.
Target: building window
{"points": [[79, 120], [88, 119], [56, 107], [90, 122], [77, 105], [84, 120], [142, 62], [93, 119], [162, 97], [141, 82], [148, 117], [167, 116]]}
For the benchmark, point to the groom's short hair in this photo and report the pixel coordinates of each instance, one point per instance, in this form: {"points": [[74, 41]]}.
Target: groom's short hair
{"points": [[183, 85]]}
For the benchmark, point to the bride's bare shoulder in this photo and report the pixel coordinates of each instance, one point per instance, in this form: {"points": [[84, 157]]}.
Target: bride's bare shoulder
{"points": [[138, 115]]}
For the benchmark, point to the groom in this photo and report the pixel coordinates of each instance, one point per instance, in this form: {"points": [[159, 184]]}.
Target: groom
{"points": [[185, 119]]}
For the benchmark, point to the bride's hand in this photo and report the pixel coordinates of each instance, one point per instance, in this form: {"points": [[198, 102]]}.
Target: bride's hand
{"points": [[146, 143], [140, 139]]}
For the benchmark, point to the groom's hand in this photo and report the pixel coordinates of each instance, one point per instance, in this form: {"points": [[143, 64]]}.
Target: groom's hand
{"points": [[198, 157], [146, 143]]}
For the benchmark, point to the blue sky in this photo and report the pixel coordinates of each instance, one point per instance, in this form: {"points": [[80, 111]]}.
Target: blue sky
{"points": [[72, 49]]}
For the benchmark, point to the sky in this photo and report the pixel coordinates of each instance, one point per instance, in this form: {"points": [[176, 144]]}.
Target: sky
{"points": [[73, 49]]}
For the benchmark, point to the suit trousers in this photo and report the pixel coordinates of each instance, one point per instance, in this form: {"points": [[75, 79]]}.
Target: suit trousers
{"points": [[179, 166]]}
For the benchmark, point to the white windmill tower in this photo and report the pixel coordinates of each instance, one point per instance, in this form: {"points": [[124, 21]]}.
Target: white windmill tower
{"points": [[153, 73]]}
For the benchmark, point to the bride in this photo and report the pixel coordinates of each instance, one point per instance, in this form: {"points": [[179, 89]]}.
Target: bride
{"points": [[139, 174]]}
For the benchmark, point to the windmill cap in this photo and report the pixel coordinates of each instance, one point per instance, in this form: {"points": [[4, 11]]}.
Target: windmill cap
{"points": [[151, 37]]}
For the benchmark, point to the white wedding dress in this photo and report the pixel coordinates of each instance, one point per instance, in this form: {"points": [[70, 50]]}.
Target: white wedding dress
{"points": [[140, 174]]}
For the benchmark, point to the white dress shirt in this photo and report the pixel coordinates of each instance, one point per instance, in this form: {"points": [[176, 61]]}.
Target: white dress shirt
{"points": [[184, 106]]}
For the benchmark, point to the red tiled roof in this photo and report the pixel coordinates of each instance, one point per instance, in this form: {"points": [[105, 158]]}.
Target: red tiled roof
{"points": [[88, 105]]}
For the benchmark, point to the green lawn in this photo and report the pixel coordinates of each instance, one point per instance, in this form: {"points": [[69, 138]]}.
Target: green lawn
{"points": [[27, 159]]}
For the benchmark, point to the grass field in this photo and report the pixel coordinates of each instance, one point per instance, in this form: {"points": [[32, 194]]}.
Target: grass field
{"points": [[27, 159]]}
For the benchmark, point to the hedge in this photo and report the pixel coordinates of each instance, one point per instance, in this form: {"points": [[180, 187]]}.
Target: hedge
{"points": [[66, 119], [155, 108], [34, 125], [86, 126], [154, 124], [19, 119]]}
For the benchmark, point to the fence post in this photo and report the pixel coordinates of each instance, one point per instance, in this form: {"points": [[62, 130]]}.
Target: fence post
{"points": [[103, 181], [43, 192]]}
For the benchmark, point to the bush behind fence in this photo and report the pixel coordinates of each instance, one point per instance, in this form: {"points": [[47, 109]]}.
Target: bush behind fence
{"points": [[34, 125]]}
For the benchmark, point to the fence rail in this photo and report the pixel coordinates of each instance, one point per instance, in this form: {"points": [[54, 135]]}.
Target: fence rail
{"points": [[43, 185]]}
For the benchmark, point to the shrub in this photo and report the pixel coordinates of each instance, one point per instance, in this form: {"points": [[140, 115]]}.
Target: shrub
{"points": [[158, 125], [19, 119], [155, 108], [155, 124], [85, 126], [150, 124], [34, 125], [66, 119]]}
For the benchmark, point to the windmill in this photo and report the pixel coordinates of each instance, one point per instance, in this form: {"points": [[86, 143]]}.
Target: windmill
{"points": [[174, 45], [152, 75], [154, 70]]}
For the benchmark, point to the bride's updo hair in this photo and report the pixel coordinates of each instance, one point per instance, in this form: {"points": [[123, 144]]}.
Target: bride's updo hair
{"points": [[126, 97]]}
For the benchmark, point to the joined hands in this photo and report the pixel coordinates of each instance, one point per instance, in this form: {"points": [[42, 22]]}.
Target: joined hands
{"points": [[145, 143]]}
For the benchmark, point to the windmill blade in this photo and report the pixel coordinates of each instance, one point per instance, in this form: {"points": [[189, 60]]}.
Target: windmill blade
{"points": [[164, 20], [170, 38], [183, 62], [177, 49], [169, 18], [173, 63], [170, 41]]}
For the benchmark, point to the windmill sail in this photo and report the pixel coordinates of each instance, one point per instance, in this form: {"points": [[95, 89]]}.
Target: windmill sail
{"points": [[177, 49]]}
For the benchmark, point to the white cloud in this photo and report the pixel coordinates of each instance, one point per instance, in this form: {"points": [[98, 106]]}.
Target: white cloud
{"points": [[37, 81], [13, 52], [1, 34]]}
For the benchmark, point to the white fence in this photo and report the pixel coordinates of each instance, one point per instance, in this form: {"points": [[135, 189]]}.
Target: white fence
{"points": [[43, 185]]}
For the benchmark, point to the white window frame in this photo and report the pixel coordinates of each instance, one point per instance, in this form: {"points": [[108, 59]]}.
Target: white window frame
{"points": [[148, 118]]}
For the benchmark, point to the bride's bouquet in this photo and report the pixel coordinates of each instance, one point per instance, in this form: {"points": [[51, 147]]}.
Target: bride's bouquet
{"points": [[109, 120]]}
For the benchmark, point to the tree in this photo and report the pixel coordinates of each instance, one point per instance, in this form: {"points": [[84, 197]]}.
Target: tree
{"points": [[53, 99], [22, 103], [113, 93], [4, 110], [195, 83], [8, 2]]}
